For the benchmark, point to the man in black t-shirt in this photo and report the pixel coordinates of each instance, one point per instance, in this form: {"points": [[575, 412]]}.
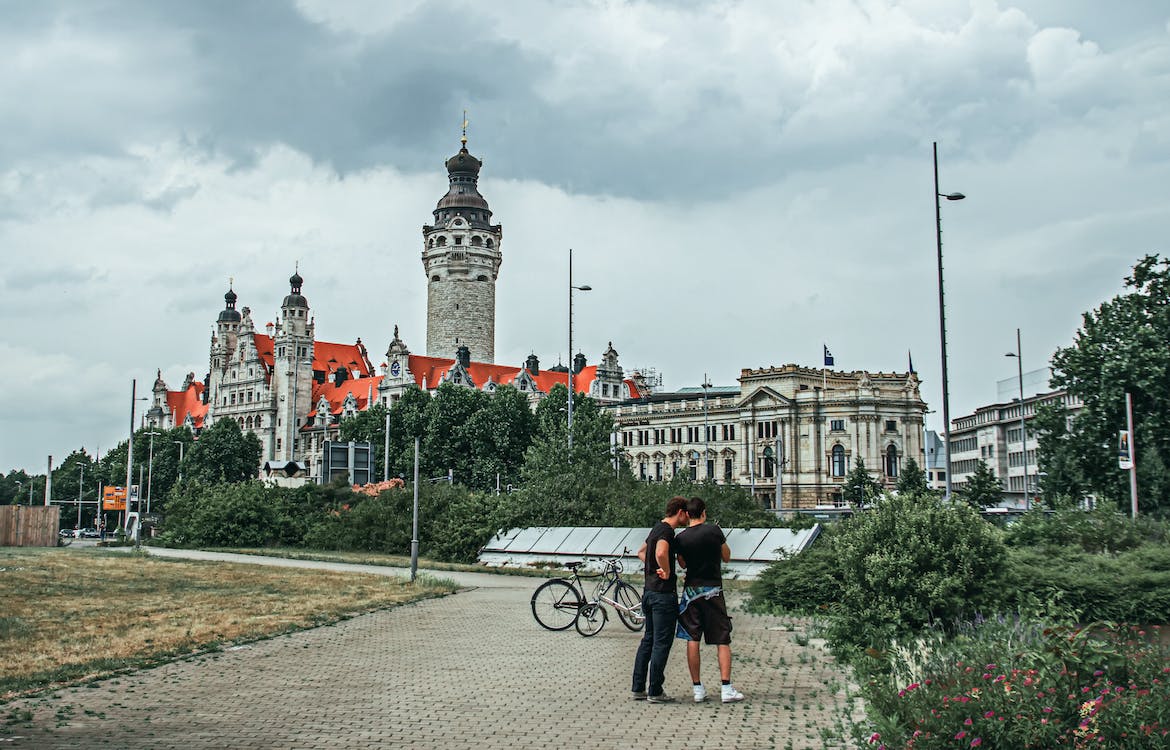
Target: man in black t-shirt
{"points": [[702, 549], [659, 604]]}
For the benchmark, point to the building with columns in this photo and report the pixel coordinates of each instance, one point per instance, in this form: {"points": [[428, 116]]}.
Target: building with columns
{"points": [[292, 390], [811, 424]]}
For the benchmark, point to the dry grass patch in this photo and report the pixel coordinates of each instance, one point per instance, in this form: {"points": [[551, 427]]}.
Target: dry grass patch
{"points": [[69, 615]]}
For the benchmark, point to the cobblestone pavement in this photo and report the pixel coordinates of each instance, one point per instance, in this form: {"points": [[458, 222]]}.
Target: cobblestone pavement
{"points": [[470, 670]]}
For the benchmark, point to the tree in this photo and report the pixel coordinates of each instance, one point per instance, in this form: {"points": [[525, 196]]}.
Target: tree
{"points": [[1121, 348], [447, 444], [860, 488], [14, 487], [223, 453], [983, 489], [912, 480], [500, 434], [1060, 471]]}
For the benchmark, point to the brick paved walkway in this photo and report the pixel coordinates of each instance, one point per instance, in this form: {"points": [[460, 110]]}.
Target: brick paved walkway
{"points": [[469, 670]]}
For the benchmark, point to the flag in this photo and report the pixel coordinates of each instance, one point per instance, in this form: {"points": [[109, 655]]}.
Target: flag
{"points": [[828, 357], [910, 357]]}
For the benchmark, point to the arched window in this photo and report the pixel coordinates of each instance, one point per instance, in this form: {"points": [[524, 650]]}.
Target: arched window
{"points": [[248, 421], [489, 242], [435, 277], [259, 422], [481, 278], [769, 463], [241, 423], [891, 461], [476, 241], [431, 242], [838, 463], [442, 242]]}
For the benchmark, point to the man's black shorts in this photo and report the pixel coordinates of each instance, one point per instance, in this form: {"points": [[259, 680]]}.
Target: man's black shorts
{"points": [[707, 619]]}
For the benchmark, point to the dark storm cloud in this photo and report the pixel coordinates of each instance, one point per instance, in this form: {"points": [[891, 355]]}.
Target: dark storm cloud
{"points": [[239, 77]]}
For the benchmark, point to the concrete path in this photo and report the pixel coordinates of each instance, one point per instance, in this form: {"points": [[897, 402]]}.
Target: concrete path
{"points": [[471, 670]]}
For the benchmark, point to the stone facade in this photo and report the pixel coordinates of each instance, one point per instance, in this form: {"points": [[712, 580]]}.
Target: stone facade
{"points": [[816, 422]]}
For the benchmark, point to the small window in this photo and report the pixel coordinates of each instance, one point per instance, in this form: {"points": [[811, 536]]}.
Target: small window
{"points": [[476, 241], [435, 277], [489, 242], [442, 242], [837, 425], [891, 425], [458, 240], [481, 278]]}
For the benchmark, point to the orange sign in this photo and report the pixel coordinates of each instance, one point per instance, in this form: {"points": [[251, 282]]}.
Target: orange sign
{"points": [[113, 498]]}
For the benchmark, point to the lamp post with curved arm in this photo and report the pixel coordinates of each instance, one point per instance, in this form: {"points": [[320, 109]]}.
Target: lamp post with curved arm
{"points": [[582, 288], [942, 316]]}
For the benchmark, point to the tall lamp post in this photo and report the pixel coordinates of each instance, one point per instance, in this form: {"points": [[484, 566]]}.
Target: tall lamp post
{"points": [[130, 452], [942, 316], [706, 429], [1023, 425], [582, 288]]}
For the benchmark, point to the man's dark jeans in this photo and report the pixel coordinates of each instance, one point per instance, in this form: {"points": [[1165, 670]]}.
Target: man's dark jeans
{"points": [[661, 611]]}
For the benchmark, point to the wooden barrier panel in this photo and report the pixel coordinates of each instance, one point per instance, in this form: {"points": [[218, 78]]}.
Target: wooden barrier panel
{"points": [[29, 526]]}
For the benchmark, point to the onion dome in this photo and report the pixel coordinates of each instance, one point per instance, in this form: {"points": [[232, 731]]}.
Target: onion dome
{"points": [[229, 314], [294, 298]]}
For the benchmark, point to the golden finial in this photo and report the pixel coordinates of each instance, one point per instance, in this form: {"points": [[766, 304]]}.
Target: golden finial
{"points": [[231, 282], [463, 140]]}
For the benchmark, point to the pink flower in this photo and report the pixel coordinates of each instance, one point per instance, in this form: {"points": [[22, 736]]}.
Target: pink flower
{"points": [[874, 738], [989, 714], [968, 723], [977, 742], [960, 735]]}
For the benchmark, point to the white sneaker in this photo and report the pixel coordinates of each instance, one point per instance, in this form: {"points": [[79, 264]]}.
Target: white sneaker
{"points": [[700, 693], [731, 695]]}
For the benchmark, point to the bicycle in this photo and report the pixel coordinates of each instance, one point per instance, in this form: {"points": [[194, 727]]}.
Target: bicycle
{"points": [[561, 603]]}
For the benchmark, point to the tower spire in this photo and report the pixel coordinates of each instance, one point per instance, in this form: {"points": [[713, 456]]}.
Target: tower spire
{"points": [[463, 139]]}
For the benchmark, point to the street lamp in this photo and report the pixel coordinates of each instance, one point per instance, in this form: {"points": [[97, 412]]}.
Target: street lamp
{"points": [[942, 315], [1023, 426], [134, 399], [19, 484], [706, 429], [149, 471], [582, 288]]}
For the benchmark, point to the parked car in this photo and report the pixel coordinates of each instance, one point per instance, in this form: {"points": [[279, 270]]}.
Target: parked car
{"points": [[65, 533], [88, 533]]}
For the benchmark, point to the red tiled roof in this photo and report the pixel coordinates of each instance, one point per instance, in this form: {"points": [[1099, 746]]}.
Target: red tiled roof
{"points": [[361, 388], [190, 401], [327, 357]]}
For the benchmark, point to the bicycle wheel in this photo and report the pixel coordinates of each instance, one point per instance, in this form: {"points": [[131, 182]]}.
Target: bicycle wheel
{"points": [[555, 604], [590, 619], [628, 597]]}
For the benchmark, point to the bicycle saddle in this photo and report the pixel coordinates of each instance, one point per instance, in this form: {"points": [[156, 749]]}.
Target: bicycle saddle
{"points": [[573, 565]]}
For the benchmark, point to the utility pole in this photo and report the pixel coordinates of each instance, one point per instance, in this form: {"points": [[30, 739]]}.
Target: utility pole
{"points": [[1133, 497]]}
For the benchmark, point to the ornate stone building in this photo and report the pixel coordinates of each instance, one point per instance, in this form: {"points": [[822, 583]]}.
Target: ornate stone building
{"points": [[812, 423], [292, 390]]}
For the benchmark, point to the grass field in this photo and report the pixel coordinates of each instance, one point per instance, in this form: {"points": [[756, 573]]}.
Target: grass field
{"points": [[73, 615]]}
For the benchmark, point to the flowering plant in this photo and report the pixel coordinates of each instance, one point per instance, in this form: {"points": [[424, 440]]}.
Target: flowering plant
{"points": [[1012, 684]]}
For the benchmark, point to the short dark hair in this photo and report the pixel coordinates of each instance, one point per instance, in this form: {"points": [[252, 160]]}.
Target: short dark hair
{"points": [[675, 504], [696, 507]]}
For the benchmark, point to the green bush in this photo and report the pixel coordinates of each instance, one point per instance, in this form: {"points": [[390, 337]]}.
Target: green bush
{"points": [[1099, 530], [805, 583], [910, 561], [1132, 586], [241, 514]]}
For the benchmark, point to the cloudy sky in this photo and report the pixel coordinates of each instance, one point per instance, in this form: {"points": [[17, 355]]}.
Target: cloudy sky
{"points": [[740, 181]]}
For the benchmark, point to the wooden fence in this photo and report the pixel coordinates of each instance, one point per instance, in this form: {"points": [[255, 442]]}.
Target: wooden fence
{"points": [[29, 526]]}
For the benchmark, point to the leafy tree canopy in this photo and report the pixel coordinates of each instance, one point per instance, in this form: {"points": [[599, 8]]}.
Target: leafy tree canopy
{"points": [[223, 453], [860, 488], [1121, 347]]}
